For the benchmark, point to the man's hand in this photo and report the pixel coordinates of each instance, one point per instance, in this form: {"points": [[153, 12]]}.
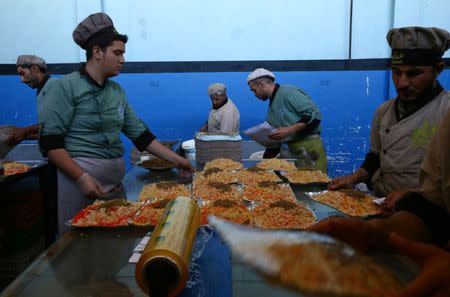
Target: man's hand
{"points": [[357, 233], [434, 279], [281, 133], [340, 182], [348, 181], [184, 167], [391, 199], [204, 128], [89, 186], [17, 135], [284, 132]]}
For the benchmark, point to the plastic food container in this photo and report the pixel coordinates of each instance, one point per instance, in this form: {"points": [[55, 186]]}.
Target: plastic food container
{"points": [[188, 147]]}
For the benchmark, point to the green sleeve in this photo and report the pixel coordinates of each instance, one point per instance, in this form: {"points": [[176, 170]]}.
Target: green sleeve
{"points": [[133, 127], [302, 105], [58, 109]]}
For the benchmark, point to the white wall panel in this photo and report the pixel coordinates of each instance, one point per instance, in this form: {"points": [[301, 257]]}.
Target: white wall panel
{"points": [[216, 30], [371, 22], [40, 27], [199, 30], [427, 13]]}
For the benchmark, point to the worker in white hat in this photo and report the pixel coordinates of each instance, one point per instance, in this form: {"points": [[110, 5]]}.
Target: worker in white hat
{"points": [[33, 72], [296, 117], [224, 115], [403, 126]]}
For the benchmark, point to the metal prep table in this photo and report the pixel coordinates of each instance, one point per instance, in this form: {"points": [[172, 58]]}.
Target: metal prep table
{"points": [[90, 262]]}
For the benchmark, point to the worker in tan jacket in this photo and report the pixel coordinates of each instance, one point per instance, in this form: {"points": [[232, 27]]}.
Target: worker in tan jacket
{"points": [[403, 126], [224, 116]]}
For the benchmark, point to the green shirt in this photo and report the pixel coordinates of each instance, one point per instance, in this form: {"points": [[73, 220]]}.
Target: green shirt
{"points": [[289, 106], [40, 97], [87, 118]]}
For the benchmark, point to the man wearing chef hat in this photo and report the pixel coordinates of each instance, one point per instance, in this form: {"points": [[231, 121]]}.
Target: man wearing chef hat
{"points": [[224, 115], [33, 72], [296, 117], [420, 111], [422, 215], [84, 114], [403, 126]]}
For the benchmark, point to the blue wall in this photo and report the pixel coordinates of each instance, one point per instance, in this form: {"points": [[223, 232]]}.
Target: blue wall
{"points": [[175, 105]]}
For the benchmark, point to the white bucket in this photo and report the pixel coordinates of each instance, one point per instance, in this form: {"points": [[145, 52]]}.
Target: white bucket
{"points": [[188, 147]]}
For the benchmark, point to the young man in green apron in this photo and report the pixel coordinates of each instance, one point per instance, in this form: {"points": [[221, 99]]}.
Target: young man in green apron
{"points": [[33, 72], [296, 117], [403, 126], [84, 114]]}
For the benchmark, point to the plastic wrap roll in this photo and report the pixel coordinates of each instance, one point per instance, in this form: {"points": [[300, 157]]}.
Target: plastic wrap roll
{"points": [[163, 267]]}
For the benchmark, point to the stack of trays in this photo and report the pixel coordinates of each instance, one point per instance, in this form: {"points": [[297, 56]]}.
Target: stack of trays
{"points": [[210, 146]]}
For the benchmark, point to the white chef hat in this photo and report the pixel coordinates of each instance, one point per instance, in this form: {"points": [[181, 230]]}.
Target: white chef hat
{"points": [[217, 89], [23, 60], [258, 73]]}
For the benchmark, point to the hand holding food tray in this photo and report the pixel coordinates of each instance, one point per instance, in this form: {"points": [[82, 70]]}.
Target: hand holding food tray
{"points": [[306, 262]]}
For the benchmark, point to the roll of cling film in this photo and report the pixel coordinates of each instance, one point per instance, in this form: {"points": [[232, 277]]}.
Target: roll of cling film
{"points": [[162, 270]]}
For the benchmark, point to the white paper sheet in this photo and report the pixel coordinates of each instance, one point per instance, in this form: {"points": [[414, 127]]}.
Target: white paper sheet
{"points": [[379, 201], [260, 133]]}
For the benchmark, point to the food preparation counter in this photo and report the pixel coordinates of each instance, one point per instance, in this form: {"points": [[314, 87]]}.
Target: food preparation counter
{"points": [[95, 262], [28, 212]]}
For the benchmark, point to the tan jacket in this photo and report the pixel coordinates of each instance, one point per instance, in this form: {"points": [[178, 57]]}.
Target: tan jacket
{"points": [[402, 145], [434, 177], [224, 119]]}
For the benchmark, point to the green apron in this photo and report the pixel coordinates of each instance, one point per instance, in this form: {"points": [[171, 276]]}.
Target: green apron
{"points": [[309, 152], [289, 105]]}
